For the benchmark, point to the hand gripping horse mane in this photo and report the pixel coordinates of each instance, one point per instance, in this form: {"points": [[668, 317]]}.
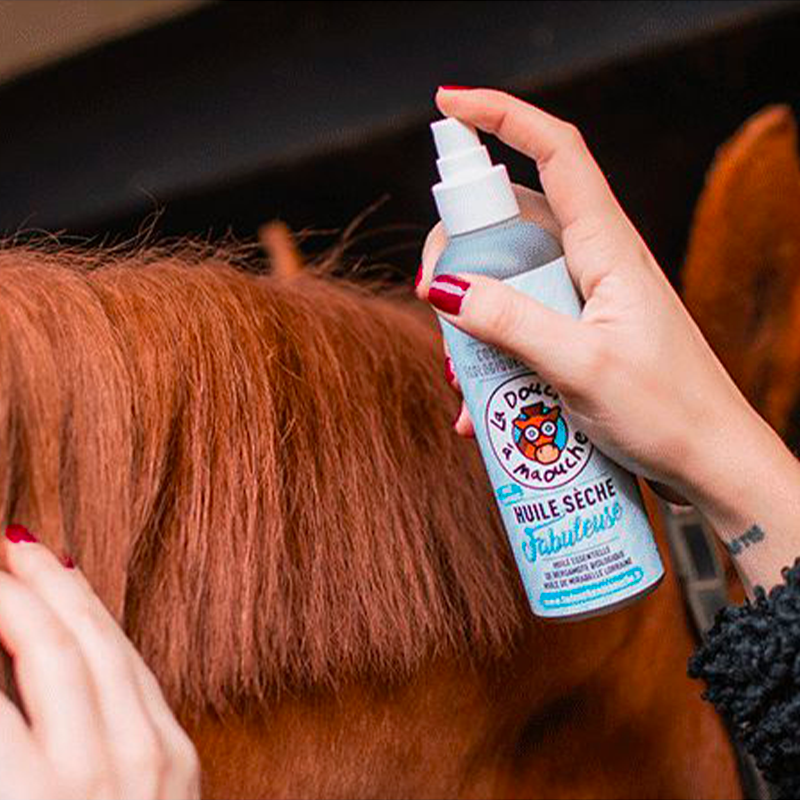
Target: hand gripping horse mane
{"points": [[257, 473]]}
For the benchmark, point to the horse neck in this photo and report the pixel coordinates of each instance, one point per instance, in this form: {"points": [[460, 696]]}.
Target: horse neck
{"points": [[601, 709]]}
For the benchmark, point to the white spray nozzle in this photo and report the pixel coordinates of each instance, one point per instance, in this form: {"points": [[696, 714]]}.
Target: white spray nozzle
{"points": [[472, 194], [460, 150], [452, 137]]}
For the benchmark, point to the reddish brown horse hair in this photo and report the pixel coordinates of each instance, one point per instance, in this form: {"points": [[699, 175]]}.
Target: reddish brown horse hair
{"points": [[257, 474], [741, 279]]}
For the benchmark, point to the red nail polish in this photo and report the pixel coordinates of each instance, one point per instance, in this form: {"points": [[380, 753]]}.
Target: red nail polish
{"points": [[455, 88], [67, 561], [419, 276], [447, 293], [19, 533], [449, 375]]}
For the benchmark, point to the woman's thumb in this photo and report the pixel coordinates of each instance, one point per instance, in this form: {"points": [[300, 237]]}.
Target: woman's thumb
{"points": [[553, 344]]}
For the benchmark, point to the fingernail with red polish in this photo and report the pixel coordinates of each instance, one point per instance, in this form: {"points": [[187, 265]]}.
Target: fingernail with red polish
{"points": [[455, 88], [19, 533], [419, 276], [447, 293], [449, 375], [67, 561]]}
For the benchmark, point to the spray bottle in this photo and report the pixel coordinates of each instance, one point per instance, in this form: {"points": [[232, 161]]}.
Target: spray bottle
{"points": [[574, 518]]}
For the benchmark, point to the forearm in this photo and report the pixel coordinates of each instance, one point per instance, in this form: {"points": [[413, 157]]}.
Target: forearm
{"points": [[747, 485]]}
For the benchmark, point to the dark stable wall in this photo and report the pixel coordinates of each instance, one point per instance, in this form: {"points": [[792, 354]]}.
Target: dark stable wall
{"points": [[313, 112]]}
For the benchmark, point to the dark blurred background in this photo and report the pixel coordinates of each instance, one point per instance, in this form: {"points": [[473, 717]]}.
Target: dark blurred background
{"points": [[208, 118]]}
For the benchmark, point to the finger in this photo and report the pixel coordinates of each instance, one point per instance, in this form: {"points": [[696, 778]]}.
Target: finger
{"points": [[572, 181], [450, 376], [53, 680], [133, 703], [20, 762], [182, 778], [463, 425], [133, 742], [435, 243], [555, 345], [449, 369], [533, 206]]}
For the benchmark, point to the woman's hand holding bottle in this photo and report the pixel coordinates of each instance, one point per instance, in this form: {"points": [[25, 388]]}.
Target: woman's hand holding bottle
{"points": [[634, 372]]}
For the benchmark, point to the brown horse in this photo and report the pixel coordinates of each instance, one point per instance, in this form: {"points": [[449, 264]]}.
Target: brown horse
{"points": [[258, 475], [742, 273]]}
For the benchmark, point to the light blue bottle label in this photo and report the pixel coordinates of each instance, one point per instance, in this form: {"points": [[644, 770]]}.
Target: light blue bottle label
{"points": [[575, 520]]}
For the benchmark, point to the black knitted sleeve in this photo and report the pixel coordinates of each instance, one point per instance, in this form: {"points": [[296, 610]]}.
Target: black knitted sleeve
{"points": [[750, 662]]}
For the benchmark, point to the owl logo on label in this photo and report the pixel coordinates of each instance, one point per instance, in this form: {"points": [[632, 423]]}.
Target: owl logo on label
{"points": [[530, 435], [540, 433]]}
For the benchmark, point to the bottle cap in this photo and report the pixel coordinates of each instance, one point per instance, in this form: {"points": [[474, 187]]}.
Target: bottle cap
{"points": [[472, 193]]}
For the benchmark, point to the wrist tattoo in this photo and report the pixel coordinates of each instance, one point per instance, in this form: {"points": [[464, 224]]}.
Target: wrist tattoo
{"points": [[751, 536]]}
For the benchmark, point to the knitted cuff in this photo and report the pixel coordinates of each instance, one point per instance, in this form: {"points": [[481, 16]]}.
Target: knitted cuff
{"points": [[751, 664]]}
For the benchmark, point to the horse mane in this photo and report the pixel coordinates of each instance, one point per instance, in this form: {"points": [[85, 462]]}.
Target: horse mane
{"points": [[258, 474]]}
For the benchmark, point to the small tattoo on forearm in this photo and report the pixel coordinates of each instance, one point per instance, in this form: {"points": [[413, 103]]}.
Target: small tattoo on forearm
{"points": [[752, 536]]}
